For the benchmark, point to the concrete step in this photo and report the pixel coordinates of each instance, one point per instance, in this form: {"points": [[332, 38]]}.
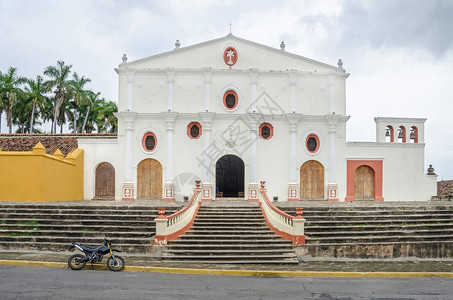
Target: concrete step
{"points": [[83, 211], [228, 256], [232, 231], [378, 238], [364, 227], [83, 240], [236, 262], [64, 246], [234, 242], [194, 246], [95, 228], [334, 223], [347, 234], [79, 217], [229, 236], [73, 234], [108, 222], [230, 251]]}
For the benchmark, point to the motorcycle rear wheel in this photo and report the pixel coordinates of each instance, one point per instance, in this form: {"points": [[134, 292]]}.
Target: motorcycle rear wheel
{"points": [[77, 262], [115, 265]]}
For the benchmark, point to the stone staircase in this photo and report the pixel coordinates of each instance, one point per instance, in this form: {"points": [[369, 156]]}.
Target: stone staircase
{"points": [[378, 231], [55, 226], [230, 232]]}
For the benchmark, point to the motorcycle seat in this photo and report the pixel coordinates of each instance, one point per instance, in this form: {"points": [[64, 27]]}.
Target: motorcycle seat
{"points": [[88, 248]]}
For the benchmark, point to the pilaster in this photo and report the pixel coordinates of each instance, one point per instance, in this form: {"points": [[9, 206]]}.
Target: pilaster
{"points": [[128, 184], [169, 191], [170, 82], [293, 185], [207, 88], [206, 118]]}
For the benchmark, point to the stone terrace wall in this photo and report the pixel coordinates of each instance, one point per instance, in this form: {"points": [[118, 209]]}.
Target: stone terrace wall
{"points": [[65, 142], [445, 189]]}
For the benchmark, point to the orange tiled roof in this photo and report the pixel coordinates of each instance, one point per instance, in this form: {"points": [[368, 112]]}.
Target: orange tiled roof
{"points": [[65, 142]]}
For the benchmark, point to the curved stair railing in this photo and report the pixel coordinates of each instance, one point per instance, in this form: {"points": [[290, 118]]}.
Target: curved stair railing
{"points": [[170, 227], [288, 227]]}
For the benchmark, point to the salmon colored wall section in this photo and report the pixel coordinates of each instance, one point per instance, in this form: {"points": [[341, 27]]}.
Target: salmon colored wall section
{"points": [[352, 165], [37, 176]]}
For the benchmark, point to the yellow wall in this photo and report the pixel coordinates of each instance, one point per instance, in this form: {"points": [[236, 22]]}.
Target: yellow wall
{"points": [[37, 176]]}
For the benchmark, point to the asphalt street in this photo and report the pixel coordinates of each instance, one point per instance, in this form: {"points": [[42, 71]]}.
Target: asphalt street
{"points": [[17, 282]]}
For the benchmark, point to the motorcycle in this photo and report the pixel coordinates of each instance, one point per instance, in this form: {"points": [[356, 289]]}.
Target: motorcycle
{"points": [[95, 255]]}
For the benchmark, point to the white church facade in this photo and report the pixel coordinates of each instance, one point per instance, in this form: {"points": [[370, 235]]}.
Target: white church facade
{"points": [[231, 113]]}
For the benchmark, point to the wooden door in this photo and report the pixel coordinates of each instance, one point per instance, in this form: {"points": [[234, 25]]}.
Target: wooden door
{"points": [[149, 179], [312, 180], [364, 183], [105, 181]]}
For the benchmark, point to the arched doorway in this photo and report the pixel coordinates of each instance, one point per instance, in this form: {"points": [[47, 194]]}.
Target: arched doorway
{"points": [[229, 176], [312, 180], [149, 179], [364, 183], [105, 181]]}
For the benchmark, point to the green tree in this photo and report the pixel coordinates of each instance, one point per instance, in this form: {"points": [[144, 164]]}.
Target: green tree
{"points": [[61, 87], [35, 92], [10, 92], [106, 120], [79, 96]]}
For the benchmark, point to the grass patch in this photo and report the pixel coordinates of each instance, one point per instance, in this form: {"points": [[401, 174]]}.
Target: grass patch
{"points": [[1, 222], [27, 223], [89, 230]]}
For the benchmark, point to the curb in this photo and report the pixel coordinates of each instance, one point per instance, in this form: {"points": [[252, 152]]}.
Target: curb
{"points": [[254, 273]]}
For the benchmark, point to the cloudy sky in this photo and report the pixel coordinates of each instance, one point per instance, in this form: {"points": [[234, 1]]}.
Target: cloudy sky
{"points": [[399, 53]]}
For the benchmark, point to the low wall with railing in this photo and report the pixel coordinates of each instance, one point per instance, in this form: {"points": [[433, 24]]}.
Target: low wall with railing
{"points": [[288, 227], [170, 227]]}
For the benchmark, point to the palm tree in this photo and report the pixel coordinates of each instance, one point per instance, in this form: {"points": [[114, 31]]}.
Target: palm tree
{"points": [[91, 101], [2, 97], [106, 120], [79, 94], [35, 90], [10, 92], [59, 82]]}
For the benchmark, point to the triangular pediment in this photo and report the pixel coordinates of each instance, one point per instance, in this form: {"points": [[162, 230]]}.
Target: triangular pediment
{"points": [[250, 55]]}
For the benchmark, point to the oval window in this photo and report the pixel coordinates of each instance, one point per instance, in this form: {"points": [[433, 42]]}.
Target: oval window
{"points": [[266, 131], [312, 143], [194, 130], [149, 142], [230, 100]]}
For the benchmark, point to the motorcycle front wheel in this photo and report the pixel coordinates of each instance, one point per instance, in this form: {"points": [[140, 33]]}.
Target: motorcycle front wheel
{"points": [[116, 264], [77, 262]]}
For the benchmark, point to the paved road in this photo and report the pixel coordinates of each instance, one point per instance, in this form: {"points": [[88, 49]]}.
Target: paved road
{"points": [[50, 283]]}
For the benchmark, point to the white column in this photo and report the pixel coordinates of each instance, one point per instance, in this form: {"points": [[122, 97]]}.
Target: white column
{"points": [[253, 80], [207, 185], [130, 90], [332, 95], [207, 90], [128, 184], [253, 165], [170, 80], [169, 191], [292, 84], [293, 186], [332, 154], [332, 187]]}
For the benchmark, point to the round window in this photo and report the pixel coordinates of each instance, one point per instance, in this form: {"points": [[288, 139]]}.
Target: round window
{"points": [[230, 100], [312, 143], [194, 130], [149, 142], [266, 131]]}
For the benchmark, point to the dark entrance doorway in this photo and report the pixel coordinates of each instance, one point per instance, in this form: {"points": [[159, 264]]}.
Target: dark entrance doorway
{"points": [[229, 176]]}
